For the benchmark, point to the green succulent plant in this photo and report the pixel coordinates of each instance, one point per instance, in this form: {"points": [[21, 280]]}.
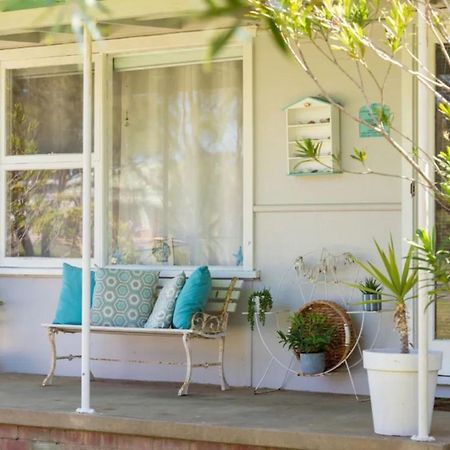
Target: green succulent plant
{"points": [[399, 282], [308, 333], [370, 286]]}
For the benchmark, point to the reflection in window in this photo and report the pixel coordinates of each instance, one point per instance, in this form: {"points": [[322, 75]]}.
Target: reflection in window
{"points": [[176, 180], [44, 213], [45, 110], [442, 217]]}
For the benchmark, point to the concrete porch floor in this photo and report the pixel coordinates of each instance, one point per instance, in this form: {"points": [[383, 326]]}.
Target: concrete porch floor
{"points": [[207, 419]]}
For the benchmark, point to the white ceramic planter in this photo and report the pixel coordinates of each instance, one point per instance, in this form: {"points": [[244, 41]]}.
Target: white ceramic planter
{"points": [[393, 389]]}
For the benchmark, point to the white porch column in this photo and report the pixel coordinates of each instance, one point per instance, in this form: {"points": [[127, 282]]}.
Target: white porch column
{"points": [[423, 102], [86, 249]]}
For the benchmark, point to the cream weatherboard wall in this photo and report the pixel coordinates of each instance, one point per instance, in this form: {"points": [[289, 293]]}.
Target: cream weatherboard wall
{"points": [[292, 216]]}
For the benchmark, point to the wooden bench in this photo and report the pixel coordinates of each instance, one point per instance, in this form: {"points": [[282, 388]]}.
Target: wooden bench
{"points": [[210, 324]]}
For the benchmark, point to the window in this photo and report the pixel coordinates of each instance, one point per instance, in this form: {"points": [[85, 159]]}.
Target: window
{"points": [[171, 159], [176, 165], [442, 217], [43, 212], [42, 163]]}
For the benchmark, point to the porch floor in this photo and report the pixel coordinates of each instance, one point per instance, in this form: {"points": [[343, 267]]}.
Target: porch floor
{"points": [[217, 420]]}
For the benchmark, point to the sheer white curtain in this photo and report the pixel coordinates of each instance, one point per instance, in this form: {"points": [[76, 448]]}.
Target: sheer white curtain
{"points": [[177, 163]]}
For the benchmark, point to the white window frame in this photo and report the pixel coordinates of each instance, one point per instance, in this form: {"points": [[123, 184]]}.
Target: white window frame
{"points": [[104, 53], [34, 162]]}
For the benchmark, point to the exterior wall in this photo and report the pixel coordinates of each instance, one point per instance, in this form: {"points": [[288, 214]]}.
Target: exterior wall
{"points": [[14, 437], [293, 216]]}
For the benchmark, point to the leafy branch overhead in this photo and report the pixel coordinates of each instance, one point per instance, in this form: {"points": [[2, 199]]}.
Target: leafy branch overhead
{"points": [[364, 31]]}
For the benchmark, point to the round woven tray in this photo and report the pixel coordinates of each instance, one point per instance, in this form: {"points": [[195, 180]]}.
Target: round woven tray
{"points": [[344, 338]]}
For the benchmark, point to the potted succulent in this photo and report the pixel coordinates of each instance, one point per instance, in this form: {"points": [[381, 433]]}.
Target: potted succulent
{"points": [[259, 302], [371, 294], [308, 336], [392, 373]]}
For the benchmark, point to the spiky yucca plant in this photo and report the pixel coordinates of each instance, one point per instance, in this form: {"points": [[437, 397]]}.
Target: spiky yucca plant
{"points": [[398, 281]]}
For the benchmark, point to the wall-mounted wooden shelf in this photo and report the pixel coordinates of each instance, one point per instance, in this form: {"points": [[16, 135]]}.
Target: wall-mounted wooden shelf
{"points": [[314, 119]]}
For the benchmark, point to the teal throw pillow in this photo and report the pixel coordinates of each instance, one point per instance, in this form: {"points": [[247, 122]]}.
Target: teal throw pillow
{"points": [[161, 316], [123, 297], [68, 311], [192, 298]]}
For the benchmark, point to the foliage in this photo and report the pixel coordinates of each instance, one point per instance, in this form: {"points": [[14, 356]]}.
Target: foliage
{"points": [[370, 286], [376, 36], [40, 202], [265, 300], [362, 30], [308, 333], [308, 150], [84, 12], [434, 261], [400, 282]]}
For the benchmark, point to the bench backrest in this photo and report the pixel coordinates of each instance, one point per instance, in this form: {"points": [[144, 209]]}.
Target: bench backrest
{"points": [[217, 294]]}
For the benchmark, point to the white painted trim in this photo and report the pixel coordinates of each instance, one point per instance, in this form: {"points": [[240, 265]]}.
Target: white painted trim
{"points": [[3, 145], [444, 380], [248, 157], [408, 128], [423, 131], [88, 117], [102, 127], [37, 162], [126, 46], [20, 63], [328, 207], [165, 272], [173, 57], [37, 262], [22, 272], [35, 18]]}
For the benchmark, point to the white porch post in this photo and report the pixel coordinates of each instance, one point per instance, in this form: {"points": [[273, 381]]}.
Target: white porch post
{"points": [[423, 222], [86, 249]]}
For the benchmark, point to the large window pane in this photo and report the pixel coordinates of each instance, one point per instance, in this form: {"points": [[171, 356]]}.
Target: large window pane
{"points": [[44, 213], [442, 216], [45, 110], [176, 167]]}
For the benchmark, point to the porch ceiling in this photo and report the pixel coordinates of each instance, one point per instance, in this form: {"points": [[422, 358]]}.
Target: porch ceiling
{"points": [[32, 26]]}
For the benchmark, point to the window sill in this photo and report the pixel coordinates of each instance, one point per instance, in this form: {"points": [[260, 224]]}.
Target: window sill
{"points": [[165, 271]]}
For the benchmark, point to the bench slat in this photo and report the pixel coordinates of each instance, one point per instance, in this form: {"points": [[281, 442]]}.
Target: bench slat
{"points": [[216, 294], [217, 307], [120, 330]]}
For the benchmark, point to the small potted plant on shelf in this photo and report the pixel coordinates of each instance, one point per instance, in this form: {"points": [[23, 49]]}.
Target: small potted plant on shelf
{"points": [[309, 336], [371, 291], [259, 302]]}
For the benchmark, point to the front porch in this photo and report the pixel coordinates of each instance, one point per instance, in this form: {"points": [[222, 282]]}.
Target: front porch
{"points": [[143, 415]]}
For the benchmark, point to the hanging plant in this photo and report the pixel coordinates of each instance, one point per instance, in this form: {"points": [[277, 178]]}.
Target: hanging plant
{"points": [[264, 298]]}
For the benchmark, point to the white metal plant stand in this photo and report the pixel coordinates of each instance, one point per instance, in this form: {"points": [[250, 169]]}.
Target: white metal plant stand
{"points": [[345, 362], [322, 272]]}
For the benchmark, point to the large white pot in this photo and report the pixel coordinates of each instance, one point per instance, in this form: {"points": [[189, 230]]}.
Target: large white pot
{"points": [[393, 389]]}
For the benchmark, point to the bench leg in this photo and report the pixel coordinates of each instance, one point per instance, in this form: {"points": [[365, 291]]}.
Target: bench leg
{"points": [[223, 382], [184, 388], [51, 337]]}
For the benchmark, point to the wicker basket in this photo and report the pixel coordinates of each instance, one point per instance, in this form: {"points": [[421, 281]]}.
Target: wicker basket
{"points": [[344, 338]]}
